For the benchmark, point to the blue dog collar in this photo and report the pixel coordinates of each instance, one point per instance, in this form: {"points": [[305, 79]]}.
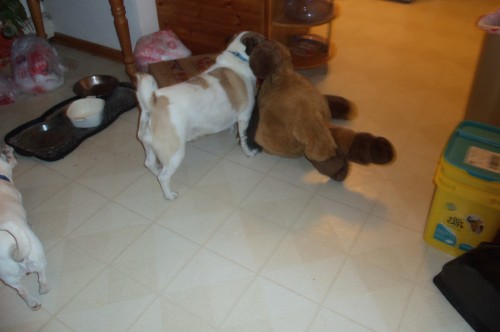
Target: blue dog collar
{"points": [[238, 55], [3, 177]]}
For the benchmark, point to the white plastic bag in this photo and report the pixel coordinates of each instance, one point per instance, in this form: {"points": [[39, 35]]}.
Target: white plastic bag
{"points": [[158, 46], [36, 67]]}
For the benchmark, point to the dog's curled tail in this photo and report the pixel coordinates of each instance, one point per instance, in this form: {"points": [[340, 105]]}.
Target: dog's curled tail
{"points": [[23, 243], [146, 86]]}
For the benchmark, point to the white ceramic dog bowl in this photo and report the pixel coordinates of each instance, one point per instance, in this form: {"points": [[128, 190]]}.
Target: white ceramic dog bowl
{"points": [[86, 112]]}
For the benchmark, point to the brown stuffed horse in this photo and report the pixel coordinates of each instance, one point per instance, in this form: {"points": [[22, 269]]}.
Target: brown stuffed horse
{"points": [[293, 119]]}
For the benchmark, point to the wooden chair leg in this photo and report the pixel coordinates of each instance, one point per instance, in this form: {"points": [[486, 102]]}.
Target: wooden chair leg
{"points": [[36, 16], [122, 30]]}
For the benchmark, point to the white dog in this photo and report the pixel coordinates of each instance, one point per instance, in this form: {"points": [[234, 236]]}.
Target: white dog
{"points": [[20, 250], [205, 104]]}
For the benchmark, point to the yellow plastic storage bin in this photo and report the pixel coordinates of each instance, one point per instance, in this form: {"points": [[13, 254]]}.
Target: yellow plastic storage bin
{"points": [[465, 208]]}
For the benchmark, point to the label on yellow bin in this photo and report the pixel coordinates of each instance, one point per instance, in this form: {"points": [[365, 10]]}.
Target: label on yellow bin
{"points": [[483, 159], [462, 232], [445, 234]]}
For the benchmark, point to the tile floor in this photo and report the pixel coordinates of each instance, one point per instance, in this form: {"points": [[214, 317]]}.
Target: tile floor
{"points": [[261, 244]]}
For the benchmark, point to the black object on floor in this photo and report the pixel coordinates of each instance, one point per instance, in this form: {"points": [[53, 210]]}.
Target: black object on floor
{"points": [[52, 136], [471, 283]]}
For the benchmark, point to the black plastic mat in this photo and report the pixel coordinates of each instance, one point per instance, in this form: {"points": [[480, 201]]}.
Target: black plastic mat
{"points": [[52, 136], [471, 283]]}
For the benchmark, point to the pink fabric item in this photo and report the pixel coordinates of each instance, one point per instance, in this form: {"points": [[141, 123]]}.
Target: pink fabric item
{"points": [[490, 22], [158, 46]]}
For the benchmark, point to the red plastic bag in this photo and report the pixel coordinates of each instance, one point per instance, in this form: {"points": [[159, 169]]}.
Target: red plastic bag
{"points": [[8, 91], [5, 47], [36, 67], [158, 46]]}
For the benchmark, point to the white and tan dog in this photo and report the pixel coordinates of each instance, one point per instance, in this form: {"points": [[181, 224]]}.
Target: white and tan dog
{"points": [[20, 250], [205, 104]]}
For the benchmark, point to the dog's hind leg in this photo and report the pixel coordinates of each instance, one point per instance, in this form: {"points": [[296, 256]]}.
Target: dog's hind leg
{"points": [[42, 280], [151, 161], [33, 303], [167, 171]]}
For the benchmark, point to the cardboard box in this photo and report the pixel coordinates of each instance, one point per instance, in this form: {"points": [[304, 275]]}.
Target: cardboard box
{"points": [[175, 71]]}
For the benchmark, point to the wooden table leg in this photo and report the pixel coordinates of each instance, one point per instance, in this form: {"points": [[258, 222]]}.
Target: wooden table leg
{"points": [[122, 30], [36, 16]]}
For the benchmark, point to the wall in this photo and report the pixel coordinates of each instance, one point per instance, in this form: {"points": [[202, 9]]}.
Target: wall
{"points": [[91, 20]]}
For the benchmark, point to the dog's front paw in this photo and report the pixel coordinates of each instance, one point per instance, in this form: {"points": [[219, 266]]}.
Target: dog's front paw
{"points": [[170, 196], [252, 152], [250, 147], [35, 305]]}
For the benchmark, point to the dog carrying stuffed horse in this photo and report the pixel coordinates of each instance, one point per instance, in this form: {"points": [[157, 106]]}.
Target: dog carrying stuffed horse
{"points": [[293, 119]]}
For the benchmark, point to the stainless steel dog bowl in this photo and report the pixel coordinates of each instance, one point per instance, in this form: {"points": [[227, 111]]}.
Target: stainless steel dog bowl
{"points": [[96, 85], [43, 137]]}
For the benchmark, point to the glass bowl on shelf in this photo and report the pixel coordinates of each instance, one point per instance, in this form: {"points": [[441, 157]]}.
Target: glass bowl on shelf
{"points": [[308, 11]]}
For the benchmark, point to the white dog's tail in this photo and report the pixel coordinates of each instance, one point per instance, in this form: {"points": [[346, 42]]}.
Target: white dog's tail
{"points": [[146, 86], [23, 243]]}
